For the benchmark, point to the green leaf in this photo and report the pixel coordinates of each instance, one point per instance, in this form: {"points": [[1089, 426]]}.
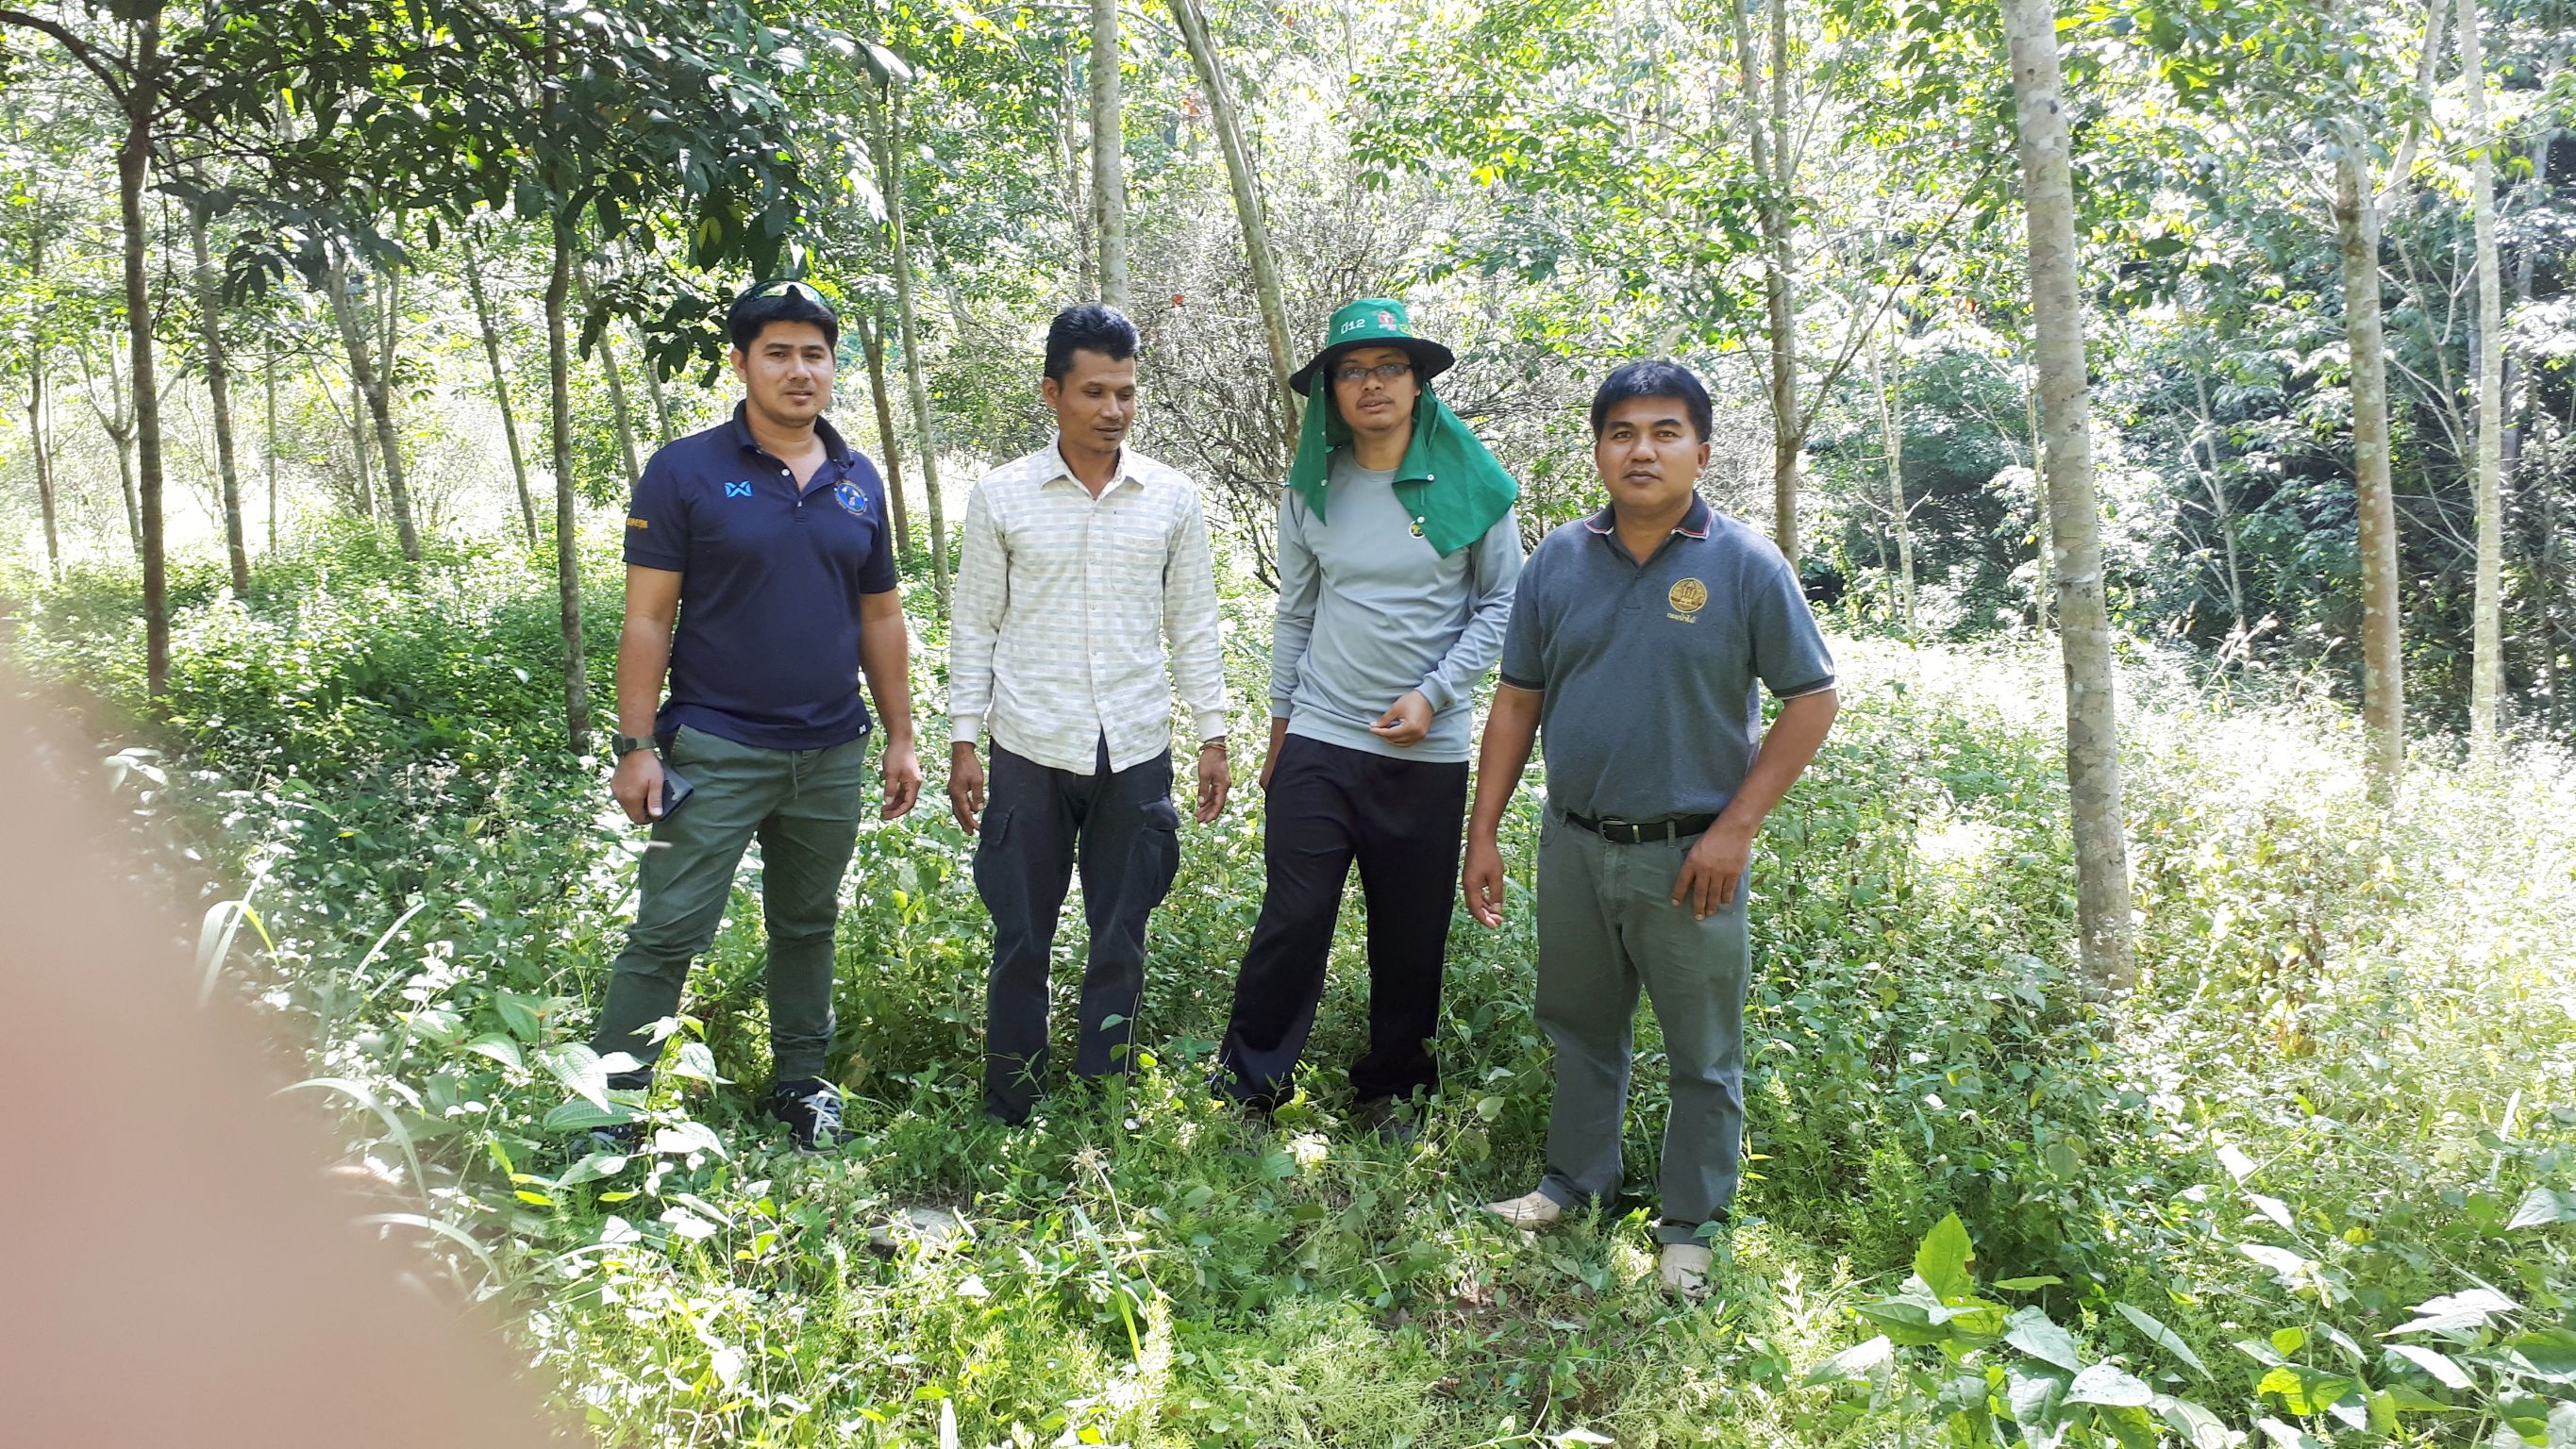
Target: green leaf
{"points": [[1862, 1363], [2199, 1428], [2030, 1330], [2028, 1285], [1942, 1261], [2456, 1315], [578, 1067], [2543, 1205], [2163, 1338], [2109, 1385], [597, 1165], [500, 1049], [2550, 1353], [2444, 1369]]}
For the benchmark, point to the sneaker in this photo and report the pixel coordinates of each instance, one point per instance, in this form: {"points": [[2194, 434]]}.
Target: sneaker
{"points": [[811, 1108], [1531, 1212], [1685, 1269]]}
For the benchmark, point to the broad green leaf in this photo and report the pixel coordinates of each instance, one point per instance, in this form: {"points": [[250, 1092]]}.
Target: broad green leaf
{"points": [[2285, 1437], [500, 1049], [2030, 1330], [2286, 1266], [698, 1064], [2109, 1385], [1862, 1363], [2550, 1353], [578, 1067], [1942, 1261], [2199, 1428], [2544, 1205], [2456, 1314], [2028, 1285], [2444, 1369], [592, 1168], [2163, 1338], [2035, 1398], [681, 1138]]}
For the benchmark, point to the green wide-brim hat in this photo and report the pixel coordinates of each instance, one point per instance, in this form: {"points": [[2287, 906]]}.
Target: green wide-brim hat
{"points": [[1373, 322]]}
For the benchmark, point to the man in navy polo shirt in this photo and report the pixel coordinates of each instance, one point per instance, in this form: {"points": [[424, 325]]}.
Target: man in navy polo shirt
{"points": [[766, 537], [1641, 639]]}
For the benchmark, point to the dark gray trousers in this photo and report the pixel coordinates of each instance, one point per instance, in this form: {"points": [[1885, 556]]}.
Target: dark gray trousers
{"points": [[1039, 823]]}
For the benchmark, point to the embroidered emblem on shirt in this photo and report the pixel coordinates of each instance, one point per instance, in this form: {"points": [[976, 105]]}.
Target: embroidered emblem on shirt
{"points": [[1686, 598], [738, 490], [852, 498], [633, 522], [1417, 528]]}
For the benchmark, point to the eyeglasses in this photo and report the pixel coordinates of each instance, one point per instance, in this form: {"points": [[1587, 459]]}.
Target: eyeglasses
{"points": [[1383, 372]]}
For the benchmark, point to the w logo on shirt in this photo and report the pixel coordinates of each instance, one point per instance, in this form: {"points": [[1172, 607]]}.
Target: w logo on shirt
{"points": [[738, 490]]}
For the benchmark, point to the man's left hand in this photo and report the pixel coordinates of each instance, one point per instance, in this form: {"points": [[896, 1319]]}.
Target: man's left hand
{"points": [[1406, 721], [1714, 869], [1216, 778], [902, 779]]}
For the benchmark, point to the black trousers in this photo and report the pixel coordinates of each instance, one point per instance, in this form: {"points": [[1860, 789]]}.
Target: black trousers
{"points": [[1038, 823], [1401, 821]]}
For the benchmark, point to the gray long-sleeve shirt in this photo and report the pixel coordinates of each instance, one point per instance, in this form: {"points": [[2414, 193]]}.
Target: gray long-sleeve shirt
{"points": [[1368, 610]]}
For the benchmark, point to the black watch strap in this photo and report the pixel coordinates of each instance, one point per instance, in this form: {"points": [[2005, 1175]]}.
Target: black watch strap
{"points": [[626, 745]]}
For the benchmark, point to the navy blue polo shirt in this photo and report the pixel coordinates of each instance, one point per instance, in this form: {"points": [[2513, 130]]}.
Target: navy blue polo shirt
{"points": [[767, 648], [1652, 669]]}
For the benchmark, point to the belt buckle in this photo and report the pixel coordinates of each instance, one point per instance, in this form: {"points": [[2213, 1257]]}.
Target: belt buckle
{"points": [[1610, 823]]}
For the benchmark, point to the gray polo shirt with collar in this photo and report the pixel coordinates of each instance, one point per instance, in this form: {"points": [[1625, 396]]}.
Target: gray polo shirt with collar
{"points": [[1653, 671]]}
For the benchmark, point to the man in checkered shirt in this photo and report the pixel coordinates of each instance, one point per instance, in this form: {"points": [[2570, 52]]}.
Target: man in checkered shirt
{"points": [[1086, 568]]}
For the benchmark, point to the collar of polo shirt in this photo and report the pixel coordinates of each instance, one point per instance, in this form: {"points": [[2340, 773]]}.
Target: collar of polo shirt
{"points": [[1694, 522]]}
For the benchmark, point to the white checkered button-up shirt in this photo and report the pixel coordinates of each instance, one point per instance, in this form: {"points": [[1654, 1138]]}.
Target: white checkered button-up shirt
{"points": [[1065, 604]]}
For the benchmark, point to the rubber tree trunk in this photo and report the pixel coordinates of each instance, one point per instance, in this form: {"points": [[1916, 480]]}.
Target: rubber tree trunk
{"points": [[133, 163], [370, 384], [1766, 127], [1108, 163], [268, 379], [2084, 626], [38, 441], [617, 404], [210, 300], [872, 342], [500, 387], [1247, 204], [2486, 676], [662, 432], [2383, 656], [2214, 480], [567, 521], [925, 431], [1899, 521]]}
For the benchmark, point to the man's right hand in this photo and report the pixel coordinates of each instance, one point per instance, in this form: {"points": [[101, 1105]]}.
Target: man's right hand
{"points": [[638, 785], [1482, 881], [965, 784]]}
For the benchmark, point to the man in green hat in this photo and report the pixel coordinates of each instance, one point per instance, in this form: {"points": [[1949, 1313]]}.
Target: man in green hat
{"points": [[1398, 552]]}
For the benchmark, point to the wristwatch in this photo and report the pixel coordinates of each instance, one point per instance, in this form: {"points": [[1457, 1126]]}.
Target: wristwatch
{"points": [[626, 745]]}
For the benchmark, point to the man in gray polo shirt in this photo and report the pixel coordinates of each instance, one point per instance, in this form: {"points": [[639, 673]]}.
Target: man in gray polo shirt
{"points": [[1640, 640]]}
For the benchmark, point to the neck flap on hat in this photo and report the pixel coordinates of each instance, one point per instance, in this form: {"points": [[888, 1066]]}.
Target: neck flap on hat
{"points": [[1448, 481]]}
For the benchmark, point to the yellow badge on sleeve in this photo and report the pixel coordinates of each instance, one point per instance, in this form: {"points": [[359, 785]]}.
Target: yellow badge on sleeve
{"points": [[633, 522]]}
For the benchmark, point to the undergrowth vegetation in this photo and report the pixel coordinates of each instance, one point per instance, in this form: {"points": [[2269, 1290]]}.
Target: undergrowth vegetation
{"points": [[2305, 1187]]}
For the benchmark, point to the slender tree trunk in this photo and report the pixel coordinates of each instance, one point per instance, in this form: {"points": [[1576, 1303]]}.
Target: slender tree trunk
{"points": [[2383, 658], [1764, 127], [500, 387], [662, 431], [2205, 445], [1074, 125], [38, 443], [133, 163], [210, 298], [617, 405], [2486, 677], [2047, 595], [872, 342], [117, 421], [567, 519], [268, 377], [890, 180], [1899, 522], [1108, 164], [370, 385], [2092, 718], [1247, 204], [363, 448]]}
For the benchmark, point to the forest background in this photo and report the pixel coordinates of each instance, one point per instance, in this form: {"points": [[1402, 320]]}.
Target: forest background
{"points": [[339, 330]]}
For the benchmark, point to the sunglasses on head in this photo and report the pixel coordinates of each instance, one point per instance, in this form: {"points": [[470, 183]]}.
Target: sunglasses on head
{"points": [[785, 288]]}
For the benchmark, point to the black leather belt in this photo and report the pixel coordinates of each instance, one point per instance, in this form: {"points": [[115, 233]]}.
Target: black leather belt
{"points": [[1641, 832]]}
